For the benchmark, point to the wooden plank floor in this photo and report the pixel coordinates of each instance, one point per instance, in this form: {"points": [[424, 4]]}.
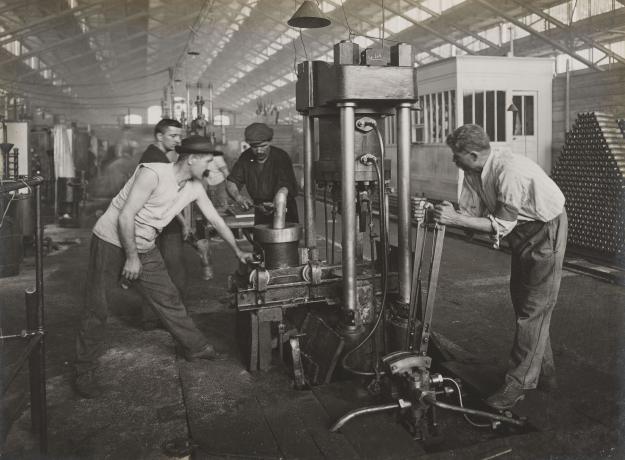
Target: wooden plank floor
{"points": [[234, 413]]}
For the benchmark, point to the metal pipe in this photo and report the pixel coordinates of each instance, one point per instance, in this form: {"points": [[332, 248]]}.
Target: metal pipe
{"points": [[567, 100], [348, 211], [463, 410], [309, 199], [279, 209], [403, 200], [41, 349], [211, 120], [365, 410]]}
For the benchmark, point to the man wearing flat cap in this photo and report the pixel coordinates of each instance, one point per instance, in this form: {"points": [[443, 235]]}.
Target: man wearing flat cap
{"points": [[123, 248], [264, 170]]}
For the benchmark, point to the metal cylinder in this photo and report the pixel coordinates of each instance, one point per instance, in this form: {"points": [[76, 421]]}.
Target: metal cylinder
{"points": [[309, 203], [279, 245], [348, 211], [403, 204]]}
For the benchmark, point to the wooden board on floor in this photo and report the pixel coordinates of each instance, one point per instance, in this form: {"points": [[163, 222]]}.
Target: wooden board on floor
{"points": [[298, 421], [224, 417], [373, 436]]}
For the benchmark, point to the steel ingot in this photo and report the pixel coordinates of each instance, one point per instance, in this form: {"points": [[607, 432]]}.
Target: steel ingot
{"points": [[280, 245]]}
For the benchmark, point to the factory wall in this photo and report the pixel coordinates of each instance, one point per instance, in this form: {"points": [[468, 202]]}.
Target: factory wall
{"points": [[590, 90]]}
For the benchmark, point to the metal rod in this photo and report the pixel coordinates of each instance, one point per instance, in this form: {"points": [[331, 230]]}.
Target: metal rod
{"points": [[403, 200], [430, 400], [309, 199], [365, 410], [325, 216], [40, 360], [32, 343], [348, 210]]}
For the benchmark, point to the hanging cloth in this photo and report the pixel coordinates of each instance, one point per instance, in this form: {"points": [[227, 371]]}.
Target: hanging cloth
{"points": [[63, 158]]}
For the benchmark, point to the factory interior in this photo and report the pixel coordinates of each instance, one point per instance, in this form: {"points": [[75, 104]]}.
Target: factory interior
{"points": [[312, 229]]}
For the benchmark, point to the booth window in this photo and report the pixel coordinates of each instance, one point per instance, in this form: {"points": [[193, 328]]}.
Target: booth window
{"points": [[487, 109], [439, 116], [523, 119], [390, 132]]}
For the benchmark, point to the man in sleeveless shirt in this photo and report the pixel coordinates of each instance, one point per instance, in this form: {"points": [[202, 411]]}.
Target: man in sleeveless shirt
{"points": [[123, 247], [508, 195], [170, 241]]}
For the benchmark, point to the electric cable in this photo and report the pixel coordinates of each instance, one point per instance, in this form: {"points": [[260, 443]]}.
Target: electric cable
{"points": [[384, 237]]}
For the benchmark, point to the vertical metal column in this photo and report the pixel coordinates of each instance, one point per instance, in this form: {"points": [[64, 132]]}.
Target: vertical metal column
{"points": [[403, 200], [309, 199], [40, 352], [348, 211]]}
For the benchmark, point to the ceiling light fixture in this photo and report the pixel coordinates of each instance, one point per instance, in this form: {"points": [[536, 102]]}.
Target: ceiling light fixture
{"points": [[308, 16]]}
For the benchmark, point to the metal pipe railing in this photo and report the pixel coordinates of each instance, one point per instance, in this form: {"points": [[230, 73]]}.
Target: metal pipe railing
{"points": [[34, 350]]}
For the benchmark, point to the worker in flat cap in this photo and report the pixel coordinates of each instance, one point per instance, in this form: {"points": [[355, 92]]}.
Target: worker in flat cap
{"points": [[266, 172], [123, 250]]}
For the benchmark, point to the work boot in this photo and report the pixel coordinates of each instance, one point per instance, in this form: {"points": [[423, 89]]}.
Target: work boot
{"points": [[506, 397], [87, 386], [207, 352], [548, 383]]}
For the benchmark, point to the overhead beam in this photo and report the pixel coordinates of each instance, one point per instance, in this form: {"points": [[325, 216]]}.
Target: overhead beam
{"points": [[534, 32], [25, 29], [475, 35], [75, 37], [589, 41], [428, 29]]}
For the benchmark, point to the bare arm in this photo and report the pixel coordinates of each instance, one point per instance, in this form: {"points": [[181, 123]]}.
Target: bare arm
{"points": [[234, 193], [141, 189], [218, 223]]}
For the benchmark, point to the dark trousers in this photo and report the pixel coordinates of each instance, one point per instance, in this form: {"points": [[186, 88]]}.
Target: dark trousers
{"points": [[537, 256], [105, 265], [171, 247]]}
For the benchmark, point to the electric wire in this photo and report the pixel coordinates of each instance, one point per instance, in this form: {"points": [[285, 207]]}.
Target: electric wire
{"points": [[384, 237]]}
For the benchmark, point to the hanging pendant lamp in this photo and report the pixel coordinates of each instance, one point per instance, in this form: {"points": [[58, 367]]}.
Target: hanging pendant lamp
{"points": [[308, 16]]}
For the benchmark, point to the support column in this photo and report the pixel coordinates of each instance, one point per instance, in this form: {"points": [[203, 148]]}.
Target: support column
{"points": [[309, 199], [403, 200], [348, 213]]}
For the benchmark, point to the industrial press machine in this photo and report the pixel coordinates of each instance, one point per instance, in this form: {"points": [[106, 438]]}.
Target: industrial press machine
{"points": [[344, 105]]}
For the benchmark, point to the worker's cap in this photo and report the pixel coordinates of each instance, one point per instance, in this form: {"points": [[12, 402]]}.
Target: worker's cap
{"points": [[198, 145], [258, 132]]}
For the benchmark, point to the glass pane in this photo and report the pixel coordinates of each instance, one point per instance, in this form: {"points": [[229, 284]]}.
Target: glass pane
{"points": [[452, 111], [517, 119], [467, 111], [479, 109], [501, 116], [529, 115], [490, 114]]}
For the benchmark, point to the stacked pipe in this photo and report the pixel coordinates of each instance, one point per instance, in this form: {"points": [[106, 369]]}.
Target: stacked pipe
{"points": [[591, 174]]}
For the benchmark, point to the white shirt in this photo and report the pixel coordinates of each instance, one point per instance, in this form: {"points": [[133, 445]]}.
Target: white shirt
{"points": [[510, 188], [216, 176], [166, 201]]}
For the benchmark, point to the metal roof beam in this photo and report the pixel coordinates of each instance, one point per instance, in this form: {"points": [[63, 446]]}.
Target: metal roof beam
{"points": [[76, 37], [428, 29], [475, 35], [25, 29], [584, 38], [534, 32]]}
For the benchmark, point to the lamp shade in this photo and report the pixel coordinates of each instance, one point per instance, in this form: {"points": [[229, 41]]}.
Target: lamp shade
{"points": [[512, 108], [308, 16]]}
